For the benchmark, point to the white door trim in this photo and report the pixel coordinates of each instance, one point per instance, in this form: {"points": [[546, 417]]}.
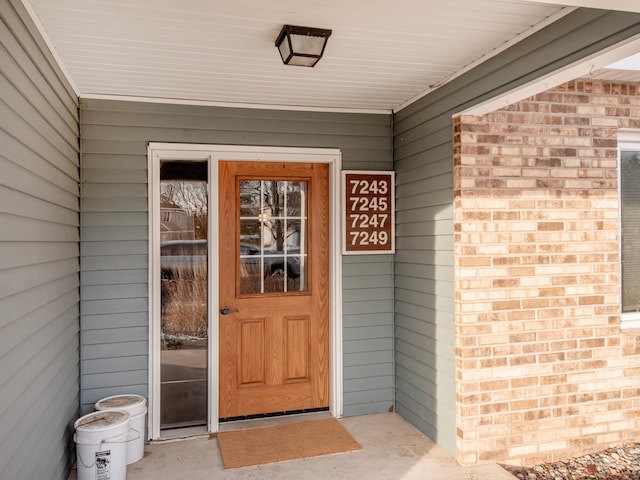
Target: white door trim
{"points": [[156, 152]]}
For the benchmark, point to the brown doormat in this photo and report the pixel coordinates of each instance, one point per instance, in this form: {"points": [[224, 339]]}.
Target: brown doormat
{"points": [[260, 446]]}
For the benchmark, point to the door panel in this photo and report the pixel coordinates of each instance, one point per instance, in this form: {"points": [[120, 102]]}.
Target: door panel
{"points": [[251, 352], [274, 280], [296, 343]]}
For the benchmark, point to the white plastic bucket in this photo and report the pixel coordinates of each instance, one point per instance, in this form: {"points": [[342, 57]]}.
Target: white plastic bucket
{"points": [[101, 445], [136, 407]]}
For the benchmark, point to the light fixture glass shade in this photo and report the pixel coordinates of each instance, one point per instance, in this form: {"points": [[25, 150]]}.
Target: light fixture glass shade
{"points": [[302, 46]]}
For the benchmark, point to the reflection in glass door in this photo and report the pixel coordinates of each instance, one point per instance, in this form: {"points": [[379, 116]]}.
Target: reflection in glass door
{"points": [[184, 293], [273, 236]]}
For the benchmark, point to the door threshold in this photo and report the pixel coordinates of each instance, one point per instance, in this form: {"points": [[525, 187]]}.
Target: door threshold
{"points": [[181, 433], [273, 414], [235, 425]]}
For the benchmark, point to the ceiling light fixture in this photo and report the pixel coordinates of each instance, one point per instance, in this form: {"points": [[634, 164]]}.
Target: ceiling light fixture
{"points": [[302, 46]]}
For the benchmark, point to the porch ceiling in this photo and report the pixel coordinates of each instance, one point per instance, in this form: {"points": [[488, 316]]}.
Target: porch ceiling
{"points": [[381, 55]]}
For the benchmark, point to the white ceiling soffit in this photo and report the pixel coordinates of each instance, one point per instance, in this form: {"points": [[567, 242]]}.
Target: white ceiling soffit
{"points": [[381, 54]]}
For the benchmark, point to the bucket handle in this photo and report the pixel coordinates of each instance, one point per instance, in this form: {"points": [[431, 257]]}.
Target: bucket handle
{"points": [[137, 435], [104, 440]]}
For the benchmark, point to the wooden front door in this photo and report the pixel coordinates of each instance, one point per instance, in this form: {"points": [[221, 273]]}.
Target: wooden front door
{"points": [[274, 287]]}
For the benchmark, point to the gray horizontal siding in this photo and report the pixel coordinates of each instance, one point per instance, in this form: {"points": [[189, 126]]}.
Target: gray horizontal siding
{"points": [[39, 255], [423, 160], [115, 320], [368, 334]]}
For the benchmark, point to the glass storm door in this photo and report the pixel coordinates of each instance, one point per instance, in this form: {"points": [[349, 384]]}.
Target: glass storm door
{"points": [[184, 293], [273, 292]]}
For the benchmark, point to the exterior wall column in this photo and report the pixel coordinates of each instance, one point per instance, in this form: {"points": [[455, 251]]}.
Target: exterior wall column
{"points": [[543, 371]]}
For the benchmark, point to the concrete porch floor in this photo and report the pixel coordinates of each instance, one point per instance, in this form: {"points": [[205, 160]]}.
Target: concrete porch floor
{"points": [[392, 449]]}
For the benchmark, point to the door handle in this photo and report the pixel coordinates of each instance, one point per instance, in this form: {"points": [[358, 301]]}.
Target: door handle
{"points": [[226, 310]]}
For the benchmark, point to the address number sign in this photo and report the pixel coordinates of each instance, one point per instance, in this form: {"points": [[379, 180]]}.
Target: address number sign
{"points": [[368, 212]]}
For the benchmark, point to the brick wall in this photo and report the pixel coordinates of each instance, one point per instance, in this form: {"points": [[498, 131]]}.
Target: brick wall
{"points": [[543, 370]]}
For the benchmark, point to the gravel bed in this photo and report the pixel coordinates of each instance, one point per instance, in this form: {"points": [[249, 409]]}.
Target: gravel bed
{"points": [[617, 463]]}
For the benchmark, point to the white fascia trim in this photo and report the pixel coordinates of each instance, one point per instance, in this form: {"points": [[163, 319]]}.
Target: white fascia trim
{"points": [[45, 36], [588, 67], [518, 38], [258, 106], [621, 5]]}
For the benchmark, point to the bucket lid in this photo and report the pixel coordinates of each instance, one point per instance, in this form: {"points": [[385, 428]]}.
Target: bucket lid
{"points": [[124, 402], [103, 420]]}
